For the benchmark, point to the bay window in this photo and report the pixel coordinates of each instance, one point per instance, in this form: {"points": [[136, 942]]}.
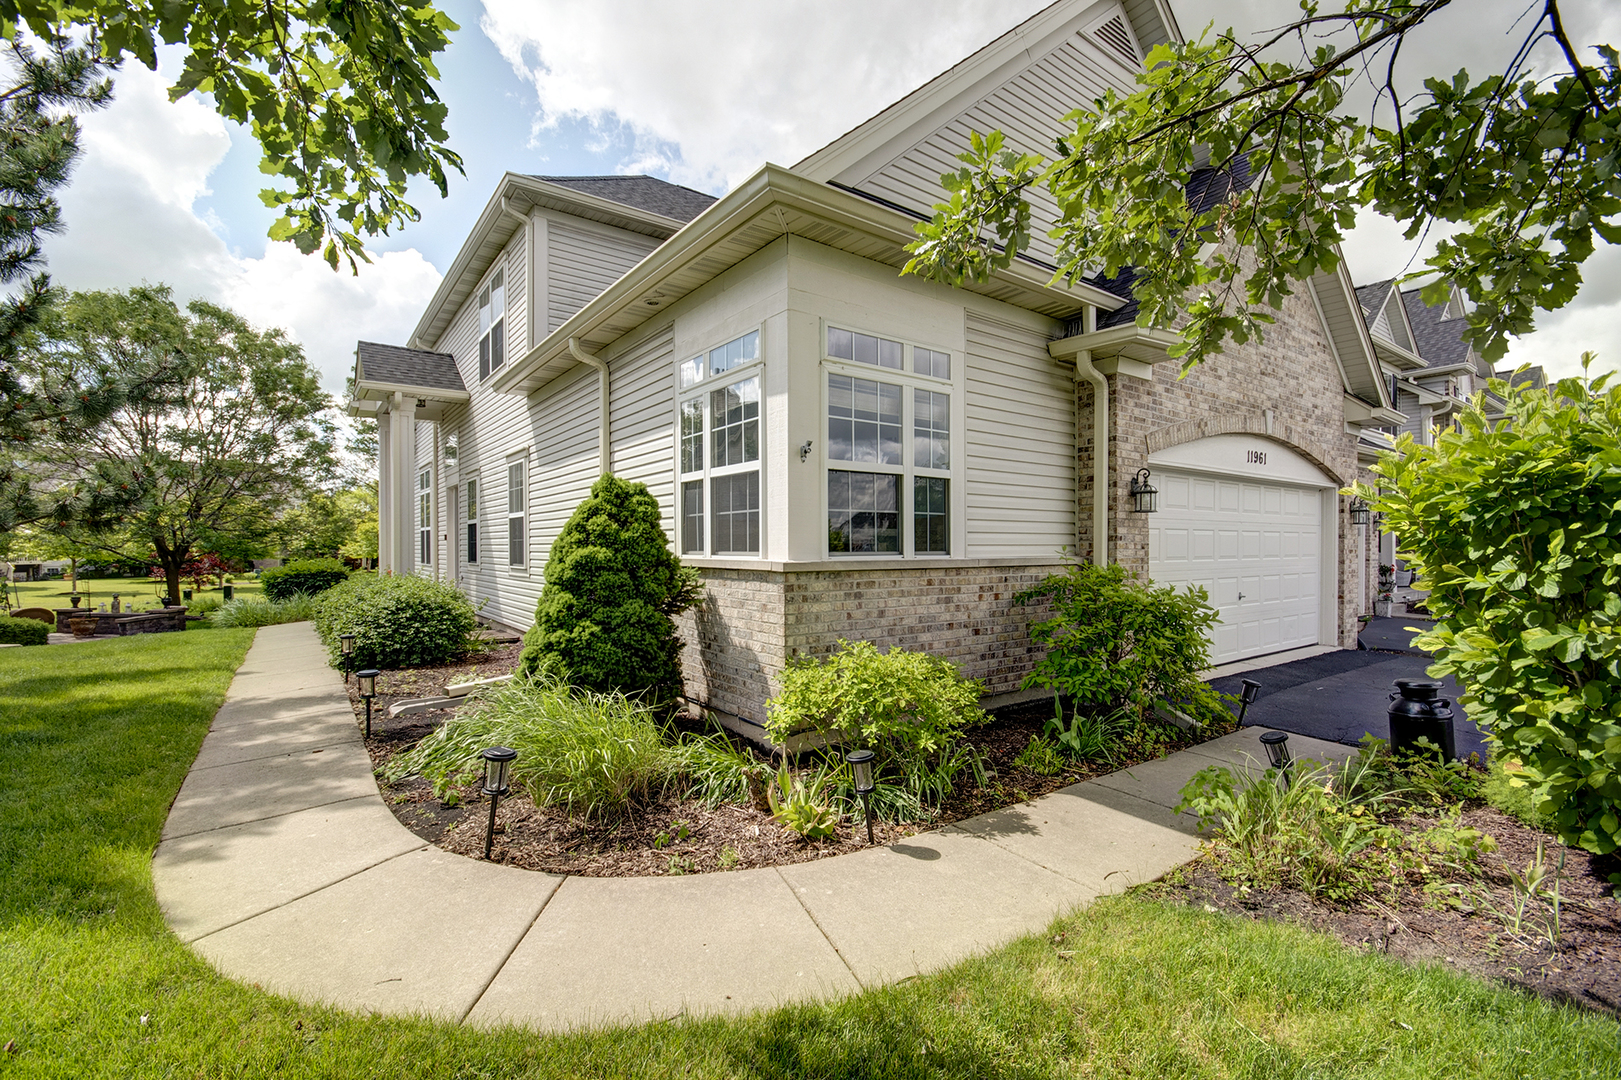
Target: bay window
{"points": [[888, 447], [719, 452]]}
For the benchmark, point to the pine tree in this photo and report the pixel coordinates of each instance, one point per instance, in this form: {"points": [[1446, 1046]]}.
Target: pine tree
{"points": [[604, 621]]}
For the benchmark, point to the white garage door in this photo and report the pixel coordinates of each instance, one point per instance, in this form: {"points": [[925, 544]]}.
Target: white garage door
{"points": [[1255, 547]]}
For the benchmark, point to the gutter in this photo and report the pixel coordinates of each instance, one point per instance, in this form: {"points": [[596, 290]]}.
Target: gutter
{"points": [[605, 448], [1100, 441]]}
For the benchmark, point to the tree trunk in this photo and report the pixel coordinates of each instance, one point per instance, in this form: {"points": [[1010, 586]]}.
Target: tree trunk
{"points": [[173, 562], [73, 572]]}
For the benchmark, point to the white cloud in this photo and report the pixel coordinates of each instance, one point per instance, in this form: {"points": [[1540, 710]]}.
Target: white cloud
{"points": [[131, 216], [711, 90]]}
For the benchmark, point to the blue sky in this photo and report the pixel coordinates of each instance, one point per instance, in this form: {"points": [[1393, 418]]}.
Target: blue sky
{"points": [[701, 92]]}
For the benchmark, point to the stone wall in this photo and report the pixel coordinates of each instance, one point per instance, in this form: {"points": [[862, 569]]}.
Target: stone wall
{"points": [[752, 621], [1287, 388]]}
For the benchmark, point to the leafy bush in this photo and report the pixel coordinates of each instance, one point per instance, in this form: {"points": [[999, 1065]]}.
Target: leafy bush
{"points": [[1326, 832], [398, 620], [1515, 525], [604, 621], [1113, 641], [306, 576], [23, 631], [908, 707], [590, 755], [256, 611]]}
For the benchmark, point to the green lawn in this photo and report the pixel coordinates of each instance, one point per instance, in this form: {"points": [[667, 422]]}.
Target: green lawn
{"points": [[95, 739], [53, 593]]}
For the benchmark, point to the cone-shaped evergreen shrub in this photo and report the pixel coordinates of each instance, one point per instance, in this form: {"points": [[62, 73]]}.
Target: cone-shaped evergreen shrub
{"points": [[612, 587]]}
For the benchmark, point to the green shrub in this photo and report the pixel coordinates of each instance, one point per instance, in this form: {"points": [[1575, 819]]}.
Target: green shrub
{"points": [[908, 707], [23, 631], [1114, 641], [303, 576], [590, 755], [800, 807], [1515, 525], [399, 621], [256, 611], [604, 621], [1042, 757]]}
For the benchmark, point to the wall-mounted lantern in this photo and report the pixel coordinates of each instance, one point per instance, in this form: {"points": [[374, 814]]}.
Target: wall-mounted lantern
{"points": [[1144, 496], [1358, 511]]}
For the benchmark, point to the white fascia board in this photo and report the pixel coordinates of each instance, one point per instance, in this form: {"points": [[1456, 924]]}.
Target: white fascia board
{"points": [[1129, 342], [771, 185], [365, 387], [1357, 355], [514, 195], [1358, 411], [874, 142], [1396, 356]]}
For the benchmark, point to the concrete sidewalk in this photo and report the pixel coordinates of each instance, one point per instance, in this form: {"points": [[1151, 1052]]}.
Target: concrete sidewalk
{"points": [[281, 865]]}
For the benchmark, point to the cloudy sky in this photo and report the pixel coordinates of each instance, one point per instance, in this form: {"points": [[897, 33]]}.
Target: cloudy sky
{"points": [[700, 92]]}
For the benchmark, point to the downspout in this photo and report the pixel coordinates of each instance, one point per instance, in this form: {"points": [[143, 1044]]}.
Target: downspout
{"points": [[1100, 444], [602, 400]]}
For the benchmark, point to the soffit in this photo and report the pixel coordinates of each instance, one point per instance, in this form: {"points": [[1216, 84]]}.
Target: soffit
{"points": [[772, 203]]}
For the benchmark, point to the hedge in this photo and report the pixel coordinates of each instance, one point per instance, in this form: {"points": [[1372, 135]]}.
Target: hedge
{"points": [[398, 621], [307, 576], [22, 631]]}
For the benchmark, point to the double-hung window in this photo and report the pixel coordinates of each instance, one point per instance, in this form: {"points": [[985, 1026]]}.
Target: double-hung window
{"points": [[719, 452], [889, 446], [517, 540], [492, 325], [425, 517], [472, 519]]}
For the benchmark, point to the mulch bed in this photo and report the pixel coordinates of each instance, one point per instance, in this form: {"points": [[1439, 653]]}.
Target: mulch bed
{"points": [[1583, 966], [672, 835]]}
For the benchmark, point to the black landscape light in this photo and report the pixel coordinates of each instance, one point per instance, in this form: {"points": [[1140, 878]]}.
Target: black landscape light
{"points": [[1144, 496], [497, 763], [1358, 512], [368, 690], [348, 643], [860, 762], [1277, 752], [1246, 698]]}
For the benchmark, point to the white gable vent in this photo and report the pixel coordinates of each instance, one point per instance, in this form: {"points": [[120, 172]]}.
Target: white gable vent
{"points": [[1114, 34]]}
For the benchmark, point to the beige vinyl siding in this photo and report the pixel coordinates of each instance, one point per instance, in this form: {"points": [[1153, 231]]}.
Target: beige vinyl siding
{"points": [[642, 418], [1020, 443], [565, 462], [1142, 13], [1027, 109], [1381, 325], [490, 427], [582, 261], [1417, 415]]}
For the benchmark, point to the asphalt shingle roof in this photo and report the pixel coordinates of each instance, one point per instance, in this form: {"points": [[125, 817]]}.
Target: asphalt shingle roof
{"points": [[408, 367], [643, 192], [1372, 297], [1439, 340]]}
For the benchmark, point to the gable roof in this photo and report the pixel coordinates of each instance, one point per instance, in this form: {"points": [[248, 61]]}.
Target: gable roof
{"points": [[410, 370], [643, 192], [948, 94], [1439, 339]]}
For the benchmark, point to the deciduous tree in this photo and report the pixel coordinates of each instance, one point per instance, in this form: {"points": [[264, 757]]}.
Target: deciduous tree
{"points": [[1522, 162]]}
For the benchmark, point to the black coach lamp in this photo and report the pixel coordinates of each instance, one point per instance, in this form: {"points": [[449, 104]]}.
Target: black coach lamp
{"points": [[1144, 496], [368, 689], [1359, 512], [860, 762], [497, 764], [347, 641]]}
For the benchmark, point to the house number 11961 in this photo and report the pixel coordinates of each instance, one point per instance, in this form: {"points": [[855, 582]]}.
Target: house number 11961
{"points": [[1256, 457]]}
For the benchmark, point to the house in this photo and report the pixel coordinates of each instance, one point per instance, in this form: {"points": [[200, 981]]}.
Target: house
{"points": [[847, 453]]}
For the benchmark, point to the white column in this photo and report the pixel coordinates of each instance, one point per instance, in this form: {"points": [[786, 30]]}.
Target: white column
{"points": [[403, 449], [385, 491]]}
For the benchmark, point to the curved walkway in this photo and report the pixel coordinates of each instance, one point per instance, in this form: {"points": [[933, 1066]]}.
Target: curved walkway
{"points": [[281, 866]]}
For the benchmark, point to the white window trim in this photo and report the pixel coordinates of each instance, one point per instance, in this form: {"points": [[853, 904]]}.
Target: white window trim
{"points": [[470, 516], [521, 460], [701, 390], [908, 380], [499, 268], [425, 518]]}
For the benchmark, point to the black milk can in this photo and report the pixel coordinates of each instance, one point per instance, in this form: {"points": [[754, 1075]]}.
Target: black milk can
{"points": [[1418, 711]]}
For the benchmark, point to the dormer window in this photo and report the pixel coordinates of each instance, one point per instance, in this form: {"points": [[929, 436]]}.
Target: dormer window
{"points": [[492, 325]]}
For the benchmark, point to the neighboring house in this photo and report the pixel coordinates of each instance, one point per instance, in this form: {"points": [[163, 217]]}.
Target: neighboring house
{"points": [[847, 453]]}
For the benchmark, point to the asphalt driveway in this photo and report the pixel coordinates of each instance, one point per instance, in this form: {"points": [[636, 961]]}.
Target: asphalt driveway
{"points": [[1342, 696]]}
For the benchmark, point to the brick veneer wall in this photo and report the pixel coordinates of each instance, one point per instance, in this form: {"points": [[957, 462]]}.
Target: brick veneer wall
{"points": [[1287, 388], [751, 621]]}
